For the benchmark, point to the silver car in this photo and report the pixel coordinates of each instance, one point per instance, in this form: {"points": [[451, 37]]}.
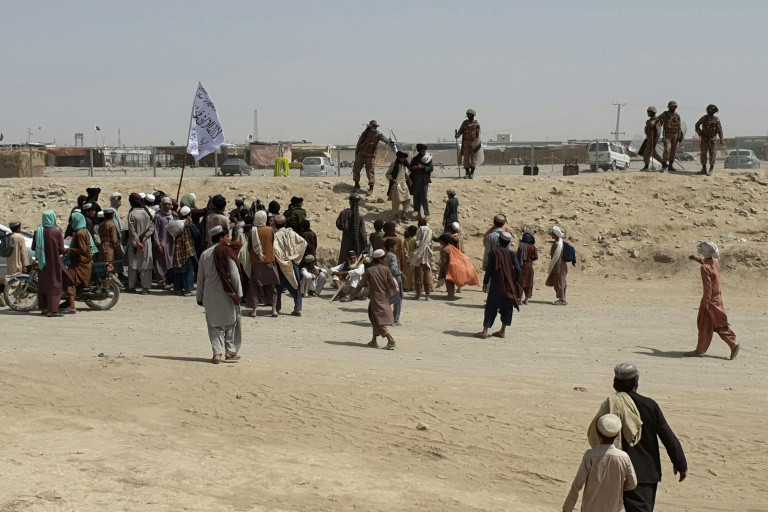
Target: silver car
{"points": [[4, 261], [741, 159], [317, 166]]}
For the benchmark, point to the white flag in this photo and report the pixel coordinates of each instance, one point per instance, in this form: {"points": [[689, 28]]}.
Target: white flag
{"points": [[205, 131]]}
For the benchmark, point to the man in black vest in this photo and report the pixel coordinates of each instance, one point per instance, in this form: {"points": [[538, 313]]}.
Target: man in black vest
{"points": [[645, 454]]}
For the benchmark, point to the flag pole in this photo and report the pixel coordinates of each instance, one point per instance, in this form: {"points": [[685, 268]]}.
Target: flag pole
{"points": [[184, 158], [183, 164]]}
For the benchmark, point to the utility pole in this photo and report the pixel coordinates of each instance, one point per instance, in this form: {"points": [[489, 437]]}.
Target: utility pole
{"points": [[618, 117], [255, 126]]}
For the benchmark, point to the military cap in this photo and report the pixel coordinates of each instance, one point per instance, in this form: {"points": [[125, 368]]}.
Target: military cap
{"points": [[652, 109], [671, 104], [625, 371], [712, 107], [373, 123], [472, 112]]}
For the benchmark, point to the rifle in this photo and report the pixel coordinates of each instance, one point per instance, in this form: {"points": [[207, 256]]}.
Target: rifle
{"points": [[357, 264], [458, 151], [393, 138]]}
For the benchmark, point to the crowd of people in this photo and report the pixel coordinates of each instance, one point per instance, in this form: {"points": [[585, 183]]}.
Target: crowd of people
{"points": [[251, 254]]}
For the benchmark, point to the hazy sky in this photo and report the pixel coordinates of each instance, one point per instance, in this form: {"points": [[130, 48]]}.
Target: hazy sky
{"points": [[318, 70]]}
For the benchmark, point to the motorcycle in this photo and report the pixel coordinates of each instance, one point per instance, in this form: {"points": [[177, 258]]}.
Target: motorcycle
{"points": [[103, 293]]}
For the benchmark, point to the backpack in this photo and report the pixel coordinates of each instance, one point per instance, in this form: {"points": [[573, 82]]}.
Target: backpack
{"points": [[6, 245], [569, 253]]}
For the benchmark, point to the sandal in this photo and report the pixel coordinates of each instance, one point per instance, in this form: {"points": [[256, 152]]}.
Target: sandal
{"points": [[216, 359], [390, 346], [498, 335], [373, 344], [481, 336], [232, 357], [734, 352]]}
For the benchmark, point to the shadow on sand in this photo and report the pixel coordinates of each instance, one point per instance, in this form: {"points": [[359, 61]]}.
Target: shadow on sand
{"points": [[346, 343], [460, 334], [672, 354], [183, 358]]}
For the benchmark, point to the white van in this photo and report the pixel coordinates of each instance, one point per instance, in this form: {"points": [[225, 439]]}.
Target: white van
{"points": [[607, 155]]}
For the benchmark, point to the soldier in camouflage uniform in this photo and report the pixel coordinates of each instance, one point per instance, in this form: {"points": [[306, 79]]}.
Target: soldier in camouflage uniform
{"points": [[651, 138], [469, 131], [709, 127], [365, 154], [673, 134]]}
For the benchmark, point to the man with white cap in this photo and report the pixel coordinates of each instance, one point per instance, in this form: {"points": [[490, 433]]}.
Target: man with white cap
{"points": [[141, 239], [312, 277], [644, 454], [365, 154], [381, 286], [605, 472], [184, 250], [220, 291], [502, 275]]}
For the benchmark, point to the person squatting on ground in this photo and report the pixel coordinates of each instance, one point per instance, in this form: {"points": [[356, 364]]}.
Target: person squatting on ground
{"points": [[381, 287], [708, 128], [469, 131], [712, 316], [502, 275], [219, 291], [312, 277], [346, 276]]}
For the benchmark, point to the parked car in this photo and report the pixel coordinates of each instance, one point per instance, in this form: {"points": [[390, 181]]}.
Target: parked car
{"points": [[4, 261], [232, 166], [742, 159], [607, 156], [317, 166]]}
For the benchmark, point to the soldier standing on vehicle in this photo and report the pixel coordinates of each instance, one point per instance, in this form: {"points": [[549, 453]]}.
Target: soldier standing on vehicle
{"points": [[469, 131], [709, 127], [365, 154], [651, 137], [673, 134]]}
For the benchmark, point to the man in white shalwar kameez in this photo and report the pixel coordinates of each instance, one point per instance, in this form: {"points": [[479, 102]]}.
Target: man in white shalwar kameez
{"points": [[222, 308]]}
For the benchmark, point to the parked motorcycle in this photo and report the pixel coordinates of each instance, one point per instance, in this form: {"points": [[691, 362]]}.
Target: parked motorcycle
{"points": [[103, 293]]}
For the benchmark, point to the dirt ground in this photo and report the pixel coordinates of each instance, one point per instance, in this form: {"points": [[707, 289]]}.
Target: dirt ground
{"points": [[121, 410]]}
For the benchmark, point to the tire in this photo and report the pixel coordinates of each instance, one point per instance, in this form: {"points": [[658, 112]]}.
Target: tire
{"points": [[613, 165], [21, 294], [110, 301]]}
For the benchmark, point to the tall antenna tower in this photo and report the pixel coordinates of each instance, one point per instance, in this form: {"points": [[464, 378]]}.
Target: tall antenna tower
{"points": [[618, 118]]}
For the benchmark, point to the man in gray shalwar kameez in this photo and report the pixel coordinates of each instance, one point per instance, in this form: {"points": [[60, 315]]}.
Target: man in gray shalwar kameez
{"points": [[222, 308], [141, 240]]}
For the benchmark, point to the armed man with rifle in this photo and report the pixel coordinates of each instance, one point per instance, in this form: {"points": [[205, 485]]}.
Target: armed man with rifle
{"points": [[365, 154], [709, 127]]}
